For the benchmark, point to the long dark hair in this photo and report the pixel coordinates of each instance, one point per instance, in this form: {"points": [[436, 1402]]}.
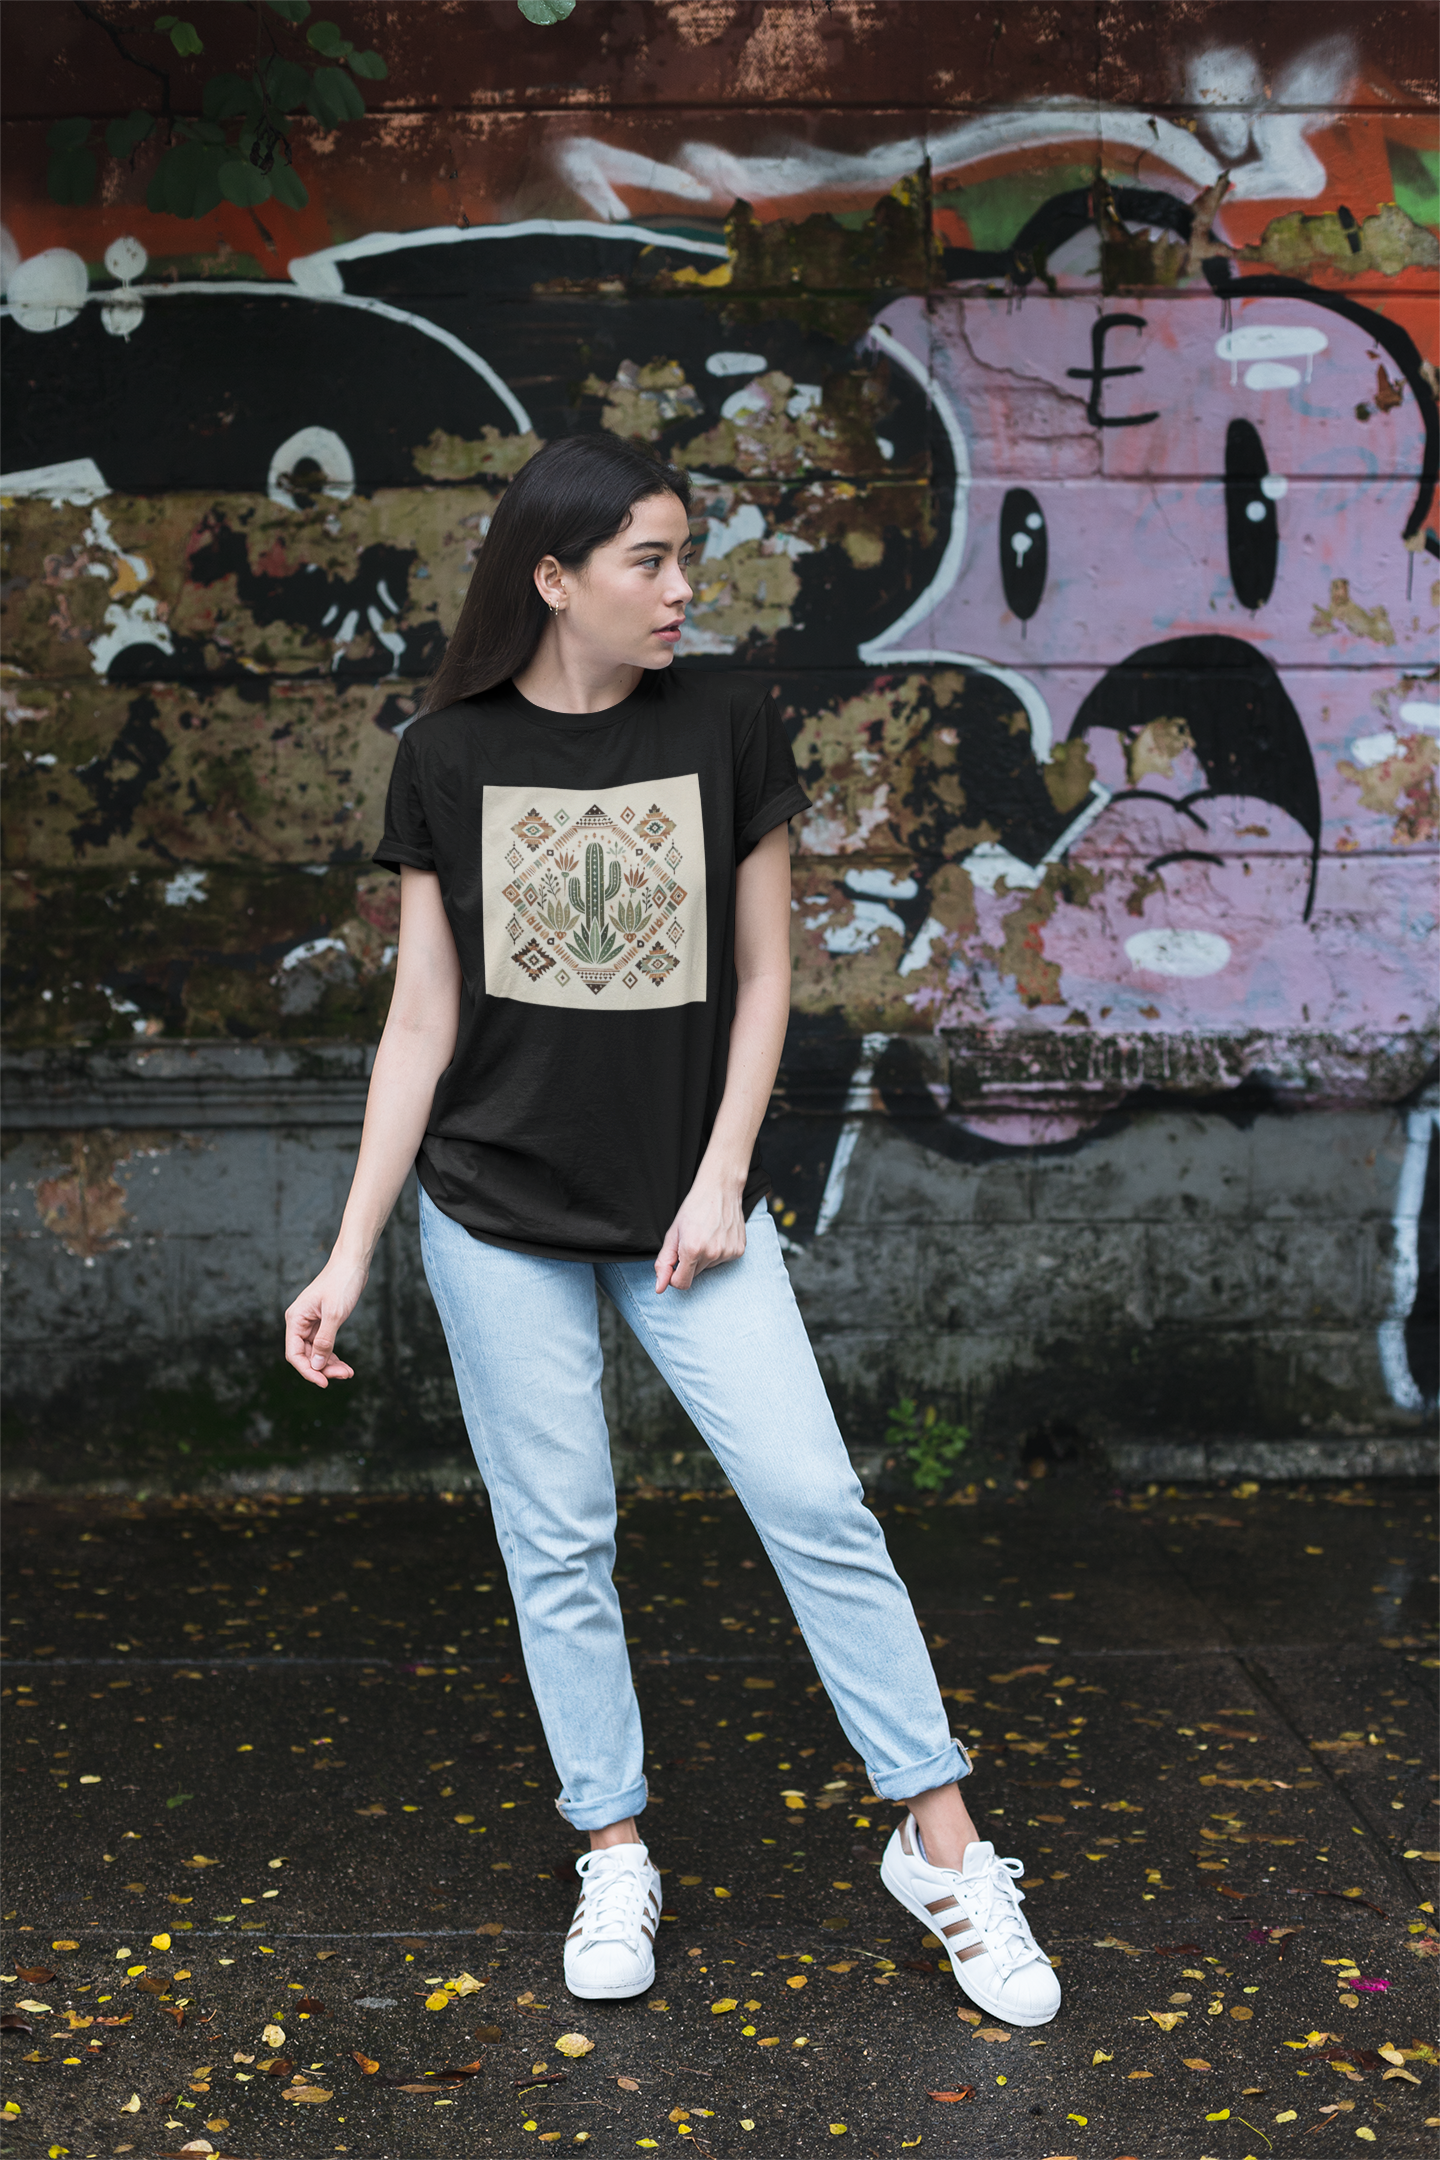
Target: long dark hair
{"points": [[571, 498]]}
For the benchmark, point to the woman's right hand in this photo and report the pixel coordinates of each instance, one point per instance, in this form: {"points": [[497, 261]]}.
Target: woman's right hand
{"points": [[315, 1318]]}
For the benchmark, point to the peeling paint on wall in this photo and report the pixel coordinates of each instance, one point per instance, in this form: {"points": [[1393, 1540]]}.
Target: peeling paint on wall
{"points": [[1066, 468]]}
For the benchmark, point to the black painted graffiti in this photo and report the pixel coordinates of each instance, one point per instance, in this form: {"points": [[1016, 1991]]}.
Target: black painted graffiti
{"points": [[1097, 374]]}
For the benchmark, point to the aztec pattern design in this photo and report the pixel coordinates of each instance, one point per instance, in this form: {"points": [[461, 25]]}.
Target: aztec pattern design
{"points": [[595, 900]]}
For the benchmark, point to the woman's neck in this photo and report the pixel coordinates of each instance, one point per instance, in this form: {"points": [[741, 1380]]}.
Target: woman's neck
{"points": [[569, 682]]}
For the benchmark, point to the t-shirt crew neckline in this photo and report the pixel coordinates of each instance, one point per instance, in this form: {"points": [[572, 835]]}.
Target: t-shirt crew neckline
{"points": [[545, 716]]}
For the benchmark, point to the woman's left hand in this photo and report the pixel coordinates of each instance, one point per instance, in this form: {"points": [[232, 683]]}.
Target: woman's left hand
{"points": [[709, 1229]]}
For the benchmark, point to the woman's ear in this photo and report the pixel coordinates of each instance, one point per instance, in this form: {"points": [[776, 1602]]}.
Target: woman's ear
{"points": [[550, 583]]}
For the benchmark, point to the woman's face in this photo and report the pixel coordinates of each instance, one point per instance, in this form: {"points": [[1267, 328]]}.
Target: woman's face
{"points": [[626, 607]]}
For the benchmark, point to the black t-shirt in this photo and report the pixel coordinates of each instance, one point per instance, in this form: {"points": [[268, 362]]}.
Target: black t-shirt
{"points": [[587, 866]]}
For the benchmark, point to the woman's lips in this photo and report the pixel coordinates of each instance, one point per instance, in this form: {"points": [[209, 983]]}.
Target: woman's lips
{"points": [[671, 632]]}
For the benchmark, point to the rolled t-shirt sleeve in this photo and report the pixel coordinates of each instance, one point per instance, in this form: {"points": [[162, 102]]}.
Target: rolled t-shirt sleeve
{"points": [[767, 785], [406, 838]]}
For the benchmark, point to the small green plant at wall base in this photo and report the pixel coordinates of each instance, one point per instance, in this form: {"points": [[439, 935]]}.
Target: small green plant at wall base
{"points": [[929, 1445]]}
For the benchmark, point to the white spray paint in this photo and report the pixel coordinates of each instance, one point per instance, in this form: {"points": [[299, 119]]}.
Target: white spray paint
{"points": [[327, 450], [1420, 1125], [859, 1100], [73, 480]]}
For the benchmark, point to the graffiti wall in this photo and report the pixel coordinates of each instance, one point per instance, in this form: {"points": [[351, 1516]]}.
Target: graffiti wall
{"points": [[1058, 386]]}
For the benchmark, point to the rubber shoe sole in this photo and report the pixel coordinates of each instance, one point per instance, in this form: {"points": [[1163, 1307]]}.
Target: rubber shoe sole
{"points": [[620, 1992]]}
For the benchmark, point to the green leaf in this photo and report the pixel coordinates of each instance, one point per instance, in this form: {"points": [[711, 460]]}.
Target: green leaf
{"points": [[287, 84], [291, 11], [185, 38], [70, 175], [288, 187], [333, 97], [370, 65], [546, 11], [243, 183], [124, 137], [186, 181], [68, 135], [229, 97], [325, 37], [178, 1799], [207, 131]]}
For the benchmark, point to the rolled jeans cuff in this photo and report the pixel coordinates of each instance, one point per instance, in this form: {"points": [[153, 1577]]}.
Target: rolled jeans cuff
{"points": [[947, 1768], [609, 1808]]}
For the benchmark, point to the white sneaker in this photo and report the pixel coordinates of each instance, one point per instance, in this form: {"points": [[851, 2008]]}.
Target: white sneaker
{"points": [[1002, 1968], [610, 1950]]}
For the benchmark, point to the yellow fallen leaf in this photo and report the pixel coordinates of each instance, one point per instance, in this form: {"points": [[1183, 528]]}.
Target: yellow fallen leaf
{"points": [[968, 2017], [796, 1980], [1195, 2062], [274, 2036], [628, 2084], [1241, 2011], [1367, 2133], [1167, 2020], [1081, 2119], [159, 1942], [1138, 2073], [1408, 2076], [1288, 2116], [991, 2033], [465, 1984], [130, 2106], [838, 2129], [1099, 2057], [575, 2044], [307, 2092], [726, 2002], [438, 2001], [721, 1893], [1390, 2052]]}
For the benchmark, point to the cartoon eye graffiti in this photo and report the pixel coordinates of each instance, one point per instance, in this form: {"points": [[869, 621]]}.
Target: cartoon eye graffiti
{"points": [[312, 462], [1252, 530], [1024, 552]]}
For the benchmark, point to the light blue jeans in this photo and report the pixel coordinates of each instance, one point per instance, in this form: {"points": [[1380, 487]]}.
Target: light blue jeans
{"points": [[525, 1344]]}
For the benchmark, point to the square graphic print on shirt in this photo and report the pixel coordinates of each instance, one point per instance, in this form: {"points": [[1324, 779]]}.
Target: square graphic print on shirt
{"points": [[595, 901]]}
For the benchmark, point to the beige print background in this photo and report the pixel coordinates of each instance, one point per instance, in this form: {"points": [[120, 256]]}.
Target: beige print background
{"points": [[596, 901]]}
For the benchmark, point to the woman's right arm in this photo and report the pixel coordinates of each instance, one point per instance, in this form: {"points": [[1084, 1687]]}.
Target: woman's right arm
{"points": [[417, 1044]]}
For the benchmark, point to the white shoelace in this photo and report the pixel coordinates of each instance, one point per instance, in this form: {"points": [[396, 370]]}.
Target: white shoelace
{"points": [[996, 1908], [614, 1902]]}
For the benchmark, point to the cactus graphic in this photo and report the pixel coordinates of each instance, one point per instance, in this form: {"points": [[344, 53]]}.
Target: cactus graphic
{"points": [[594, 945]]}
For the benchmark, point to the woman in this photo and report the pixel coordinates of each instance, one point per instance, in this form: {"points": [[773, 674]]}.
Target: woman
{"points": [[590, 1002]]}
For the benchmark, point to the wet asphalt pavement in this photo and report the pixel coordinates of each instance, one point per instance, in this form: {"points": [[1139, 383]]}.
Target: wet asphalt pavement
{"points": [[274, 1764]]}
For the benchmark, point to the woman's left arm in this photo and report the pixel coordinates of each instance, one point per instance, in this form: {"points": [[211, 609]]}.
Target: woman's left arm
{"points": [[710, 1226]]}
